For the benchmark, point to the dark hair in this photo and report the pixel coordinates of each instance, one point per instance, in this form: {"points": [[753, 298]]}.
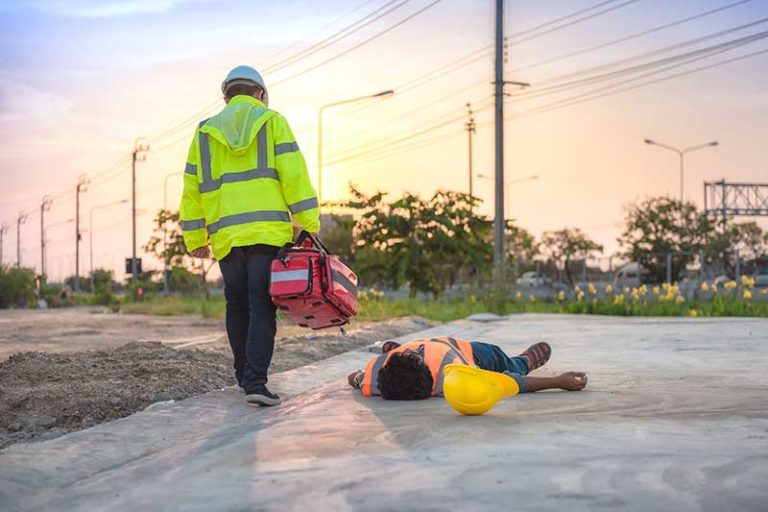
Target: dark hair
{"points": [[405, 377], [241, 90]]}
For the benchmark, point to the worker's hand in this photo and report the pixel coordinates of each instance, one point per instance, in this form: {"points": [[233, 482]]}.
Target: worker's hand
{"points": [[202, 252], [351, 378], [572, 381]]}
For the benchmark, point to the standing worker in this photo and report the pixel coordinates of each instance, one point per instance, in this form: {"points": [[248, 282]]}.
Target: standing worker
{"points": [[244, 181]]}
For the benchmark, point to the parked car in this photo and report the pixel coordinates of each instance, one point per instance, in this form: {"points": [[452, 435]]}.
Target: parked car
{"points": [[628, 275], [533, 280]]}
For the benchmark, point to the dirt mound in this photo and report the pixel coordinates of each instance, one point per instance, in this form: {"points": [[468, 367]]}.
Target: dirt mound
{"points": [[45, 395]]}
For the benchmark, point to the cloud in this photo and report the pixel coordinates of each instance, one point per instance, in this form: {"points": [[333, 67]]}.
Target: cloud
{"points": [[19, 99], [106, 8]]}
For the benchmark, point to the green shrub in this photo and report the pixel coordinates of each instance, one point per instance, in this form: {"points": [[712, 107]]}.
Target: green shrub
{"points": [[17, 287]]}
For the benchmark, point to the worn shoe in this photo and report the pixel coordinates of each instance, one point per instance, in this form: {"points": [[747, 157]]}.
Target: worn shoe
{"points": [[537, 355], [262, 396]]}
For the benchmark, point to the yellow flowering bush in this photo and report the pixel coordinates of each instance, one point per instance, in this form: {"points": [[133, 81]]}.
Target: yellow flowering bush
{"points": [[560, 296], [609, 289], [704, 286], [591, 288], [747, 295]]}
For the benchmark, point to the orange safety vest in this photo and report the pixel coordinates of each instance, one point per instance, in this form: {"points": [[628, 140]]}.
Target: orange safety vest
{"points": [[438, 352]]}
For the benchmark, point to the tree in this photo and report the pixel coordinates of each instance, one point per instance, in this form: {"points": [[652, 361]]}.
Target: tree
{"points": [[172, 249], [658, 226], [338, 236], [17, 286], [426, 244], [565, 245], [522, 247]]}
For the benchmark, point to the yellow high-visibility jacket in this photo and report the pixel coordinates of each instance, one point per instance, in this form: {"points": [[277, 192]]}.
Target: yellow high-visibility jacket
{"points": [[244, 181]]}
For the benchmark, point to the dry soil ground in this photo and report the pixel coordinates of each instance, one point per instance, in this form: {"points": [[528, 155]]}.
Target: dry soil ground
{"points": [[65, 370]]}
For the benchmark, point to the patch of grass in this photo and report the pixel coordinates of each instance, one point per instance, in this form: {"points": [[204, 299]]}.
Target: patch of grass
{"points": [[446, 311]]}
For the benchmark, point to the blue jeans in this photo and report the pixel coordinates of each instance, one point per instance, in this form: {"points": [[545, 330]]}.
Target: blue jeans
{"points": [[490, 357], [251, 321]]}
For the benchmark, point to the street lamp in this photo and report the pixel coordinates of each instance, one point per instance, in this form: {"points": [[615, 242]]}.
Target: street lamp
{"points": [[507, 184], [45, 206], [681, 153], [165, 230], [3, 231], [90, 231], [82, 186], [382, 94], [21, 219]]}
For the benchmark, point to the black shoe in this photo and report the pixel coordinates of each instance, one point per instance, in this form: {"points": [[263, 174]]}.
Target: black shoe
{"points": [[261, 396]]}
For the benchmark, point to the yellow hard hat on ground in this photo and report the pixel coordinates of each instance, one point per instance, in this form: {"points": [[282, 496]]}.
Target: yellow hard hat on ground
{"points": [[472, 391]]}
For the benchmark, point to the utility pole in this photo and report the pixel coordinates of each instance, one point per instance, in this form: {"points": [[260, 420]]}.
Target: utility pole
{"points": [[499, 254], [44, 207], [3, 231], [140, 148], [498, 225], [19, 221], [471, 127], [82, 186]]}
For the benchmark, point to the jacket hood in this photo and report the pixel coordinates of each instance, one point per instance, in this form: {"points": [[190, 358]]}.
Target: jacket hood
{"points": [[238, 123]]}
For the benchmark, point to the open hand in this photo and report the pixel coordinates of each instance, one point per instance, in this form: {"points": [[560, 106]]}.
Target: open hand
{"points": [[572, 381], [201, 252]]}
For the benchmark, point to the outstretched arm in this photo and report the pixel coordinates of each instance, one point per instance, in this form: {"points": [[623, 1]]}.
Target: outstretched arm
{"points": [[569, 381]]}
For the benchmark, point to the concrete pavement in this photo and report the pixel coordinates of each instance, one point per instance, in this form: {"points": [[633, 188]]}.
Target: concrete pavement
{"points": [[675, 417]]}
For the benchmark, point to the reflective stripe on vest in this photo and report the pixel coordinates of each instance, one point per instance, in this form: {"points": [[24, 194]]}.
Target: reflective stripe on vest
{"points": [[286, 147], [247, 218], [304, 205], [451, 349], [262, 169], [192, 225]]}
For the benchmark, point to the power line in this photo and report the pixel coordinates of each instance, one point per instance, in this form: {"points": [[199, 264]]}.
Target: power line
{"points": [[334, 38], [317, 32], [675, 60], [632, 36], [360, 44], [566, 102]]}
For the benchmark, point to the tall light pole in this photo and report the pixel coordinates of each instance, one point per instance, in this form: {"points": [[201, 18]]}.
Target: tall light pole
{"points": [[382, 94], [165, 231], [3, 231], [140, 148], [681, 153], [471, 127], [21, 219], [82, 186], [90, 232], [45, 205]]}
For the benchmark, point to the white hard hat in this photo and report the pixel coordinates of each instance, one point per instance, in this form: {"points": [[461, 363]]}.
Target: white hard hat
{"points": [[245, 75]]}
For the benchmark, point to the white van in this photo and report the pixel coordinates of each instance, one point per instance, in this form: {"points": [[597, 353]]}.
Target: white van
{"points": [[628, 275]]}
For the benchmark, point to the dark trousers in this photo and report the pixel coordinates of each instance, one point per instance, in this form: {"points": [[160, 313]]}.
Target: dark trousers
{"points": [[491, 357], [251, 323]]}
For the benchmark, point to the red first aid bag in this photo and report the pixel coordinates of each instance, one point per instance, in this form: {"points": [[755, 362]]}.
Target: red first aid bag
{"points": [[312, 287]]}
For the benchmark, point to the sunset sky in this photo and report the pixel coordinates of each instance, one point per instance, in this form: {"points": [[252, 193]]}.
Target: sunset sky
{"points": [[80, 80]]}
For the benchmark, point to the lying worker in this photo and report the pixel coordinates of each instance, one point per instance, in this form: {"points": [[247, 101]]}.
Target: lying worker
{"points": [[414, 370]]}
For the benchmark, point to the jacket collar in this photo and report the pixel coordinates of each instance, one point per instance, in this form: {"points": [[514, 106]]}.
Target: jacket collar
{"points": [[242, 98]]}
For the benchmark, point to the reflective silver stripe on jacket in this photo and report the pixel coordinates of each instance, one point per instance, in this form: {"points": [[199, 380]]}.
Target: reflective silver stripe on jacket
{"points": [[262, 169], [247, 218], [235, 177], [192, 225], [448, 358], [190, 169], [286, 147], [375, 373], [290, 275], [302, 206]]}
